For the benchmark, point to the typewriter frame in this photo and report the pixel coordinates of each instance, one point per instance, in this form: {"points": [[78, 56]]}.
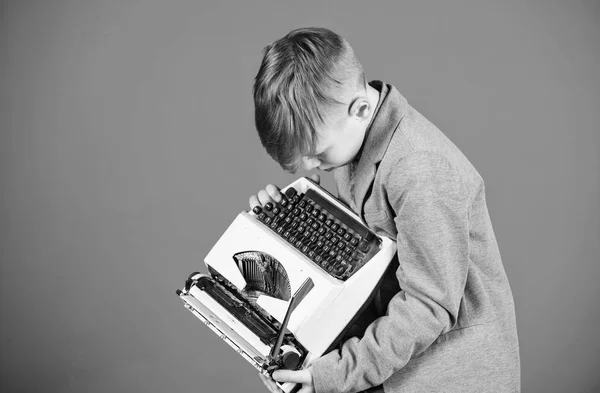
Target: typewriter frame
{"points": [[320, 320]]}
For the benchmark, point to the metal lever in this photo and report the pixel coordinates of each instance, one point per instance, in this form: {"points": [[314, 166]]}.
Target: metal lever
{"points": [[294, 301]]}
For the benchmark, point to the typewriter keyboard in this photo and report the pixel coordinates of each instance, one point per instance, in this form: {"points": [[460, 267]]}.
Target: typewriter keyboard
{"points": [[327, 235]]}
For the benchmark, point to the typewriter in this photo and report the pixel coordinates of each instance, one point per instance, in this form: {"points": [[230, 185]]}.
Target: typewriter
{"points": [[286, 280]]}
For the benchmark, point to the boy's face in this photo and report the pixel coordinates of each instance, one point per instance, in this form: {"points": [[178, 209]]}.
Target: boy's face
{"points": [[340, 140]]}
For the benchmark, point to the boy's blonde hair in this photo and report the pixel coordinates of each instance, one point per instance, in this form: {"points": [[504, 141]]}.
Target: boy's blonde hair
{"points": [[301, 77]]}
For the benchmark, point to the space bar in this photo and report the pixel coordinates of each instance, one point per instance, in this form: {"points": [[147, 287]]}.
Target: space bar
{"points": [[335, 211]]}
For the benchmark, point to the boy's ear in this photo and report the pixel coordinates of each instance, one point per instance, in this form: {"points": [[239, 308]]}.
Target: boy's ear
{"points": [[360, 108]]}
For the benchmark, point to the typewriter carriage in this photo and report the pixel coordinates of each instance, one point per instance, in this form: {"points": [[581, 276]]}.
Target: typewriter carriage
{"points": [[201, 290]]}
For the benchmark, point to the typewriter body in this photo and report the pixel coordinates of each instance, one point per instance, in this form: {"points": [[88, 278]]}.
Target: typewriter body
{"points": [[286, 280]]}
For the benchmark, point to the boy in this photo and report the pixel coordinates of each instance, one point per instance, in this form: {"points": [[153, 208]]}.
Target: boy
{"points": [[443, 319]]}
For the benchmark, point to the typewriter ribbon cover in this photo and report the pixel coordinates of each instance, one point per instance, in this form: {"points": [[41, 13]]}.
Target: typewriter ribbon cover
{"points": [[290, 279]]}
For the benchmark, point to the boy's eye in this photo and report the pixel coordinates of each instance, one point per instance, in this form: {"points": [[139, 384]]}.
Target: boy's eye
{"points": [[320, 155]]}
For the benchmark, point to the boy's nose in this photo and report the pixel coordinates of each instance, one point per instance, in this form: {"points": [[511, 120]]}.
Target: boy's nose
{"points": [[310, 163]]}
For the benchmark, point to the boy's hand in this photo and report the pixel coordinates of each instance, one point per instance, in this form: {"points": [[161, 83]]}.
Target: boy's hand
{"points": [[303, 377], [271, 193]]}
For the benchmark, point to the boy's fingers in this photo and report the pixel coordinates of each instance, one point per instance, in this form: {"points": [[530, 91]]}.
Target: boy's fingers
{"points": [[273, 192], [263, 197], [316, 178], [301, 376], [253, 202]]}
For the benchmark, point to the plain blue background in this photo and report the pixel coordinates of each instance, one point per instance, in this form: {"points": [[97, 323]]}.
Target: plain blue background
{"points": [[127, 146]]}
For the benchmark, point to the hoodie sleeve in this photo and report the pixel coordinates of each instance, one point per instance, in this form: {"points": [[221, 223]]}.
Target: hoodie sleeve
{"points": [[431, 209]]}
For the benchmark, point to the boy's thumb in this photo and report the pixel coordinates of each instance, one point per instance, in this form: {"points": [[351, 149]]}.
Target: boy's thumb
{"points": [[316, 178]]}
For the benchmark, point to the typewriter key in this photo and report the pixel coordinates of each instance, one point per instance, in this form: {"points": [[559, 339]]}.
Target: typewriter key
{"points": [[364, 246], [290, 192]]}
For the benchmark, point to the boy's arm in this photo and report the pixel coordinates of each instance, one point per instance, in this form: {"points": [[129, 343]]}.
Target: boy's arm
{"points": [[431, 206]]}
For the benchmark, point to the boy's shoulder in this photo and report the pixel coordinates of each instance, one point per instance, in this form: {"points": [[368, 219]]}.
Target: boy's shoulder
{"points": [[398, 131], [402, 148], [417, 145]]}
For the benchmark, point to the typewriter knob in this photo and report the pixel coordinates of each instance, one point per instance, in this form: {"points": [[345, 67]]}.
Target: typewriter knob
{"points": [[290, 357]]}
